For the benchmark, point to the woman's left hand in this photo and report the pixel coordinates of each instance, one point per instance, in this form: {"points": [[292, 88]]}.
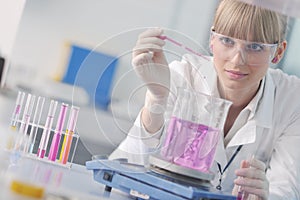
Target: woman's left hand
{"points": [[254, 180]]}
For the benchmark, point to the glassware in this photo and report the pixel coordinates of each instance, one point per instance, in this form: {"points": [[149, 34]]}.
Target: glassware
{"points": [[194, 130]]}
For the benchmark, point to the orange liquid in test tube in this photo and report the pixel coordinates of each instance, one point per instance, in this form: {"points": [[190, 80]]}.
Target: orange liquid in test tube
{"points": [[69, 135], [67, 148]]}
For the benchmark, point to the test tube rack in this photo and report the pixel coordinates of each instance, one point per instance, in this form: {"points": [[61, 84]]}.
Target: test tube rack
{"points": [[35, 136]]}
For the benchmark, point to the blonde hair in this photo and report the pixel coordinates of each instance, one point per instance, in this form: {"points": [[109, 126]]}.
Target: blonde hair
{"points": [[248, 22]]}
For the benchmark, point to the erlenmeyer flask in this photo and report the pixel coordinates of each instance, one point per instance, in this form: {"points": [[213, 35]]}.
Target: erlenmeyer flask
{"points": [[194, 129]]}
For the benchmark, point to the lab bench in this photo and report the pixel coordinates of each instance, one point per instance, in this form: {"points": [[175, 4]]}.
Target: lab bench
{"points": [[99, 132], [28, 178]]}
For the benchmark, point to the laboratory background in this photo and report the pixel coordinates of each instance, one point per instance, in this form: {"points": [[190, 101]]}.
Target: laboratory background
{"points": [[39, 38], [54, 48]]}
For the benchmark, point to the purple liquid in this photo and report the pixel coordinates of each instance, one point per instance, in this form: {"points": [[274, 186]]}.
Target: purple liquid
{"points": [[239, 196], [190, 145]]}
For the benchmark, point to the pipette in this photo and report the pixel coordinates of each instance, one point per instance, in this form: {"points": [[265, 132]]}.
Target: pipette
{"points": [[163, 37], [58, 130], [47, 129], [35, 123], [69, 134]]}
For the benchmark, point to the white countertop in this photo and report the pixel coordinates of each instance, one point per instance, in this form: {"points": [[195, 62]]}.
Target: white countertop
{"points": [[74, 183]]}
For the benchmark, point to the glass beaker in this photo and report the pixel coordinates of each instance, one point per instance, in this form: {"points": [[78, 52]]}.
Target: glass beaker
{"points": [[194, 130]]}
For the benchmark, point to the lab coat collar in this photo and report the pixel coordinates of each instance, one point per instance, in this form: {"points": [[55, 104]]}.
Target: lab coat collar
{"points": [[264, 110], [220, 156], [262, 118]]}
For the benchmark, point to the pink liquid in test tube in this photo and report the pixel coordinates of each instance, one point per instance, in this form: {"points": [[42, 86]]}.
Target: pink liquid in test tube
{"points": [[47, 129], [17, 111], [59, 127], [26, 116]]}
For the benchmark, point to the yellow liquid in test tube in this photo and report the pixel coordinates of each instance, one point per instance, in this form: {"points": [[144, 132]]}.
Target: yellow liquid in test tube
{"points": [[63, 146], [67, 147], [10, 141], [67, 142]]}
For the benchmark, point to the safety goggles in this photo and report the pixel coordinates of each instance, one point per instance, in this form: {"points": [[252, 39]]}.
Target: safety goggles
{"points": [[252, 53]]}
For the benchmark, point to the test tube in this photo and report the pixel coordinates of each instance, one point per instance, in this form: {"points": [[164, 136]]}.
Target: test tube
{"points": [[25, 122], [17, 110], [35, 123], [240, 195], [27, 114], [47, 129], [59, 127], [69, 134], [15, 119]]}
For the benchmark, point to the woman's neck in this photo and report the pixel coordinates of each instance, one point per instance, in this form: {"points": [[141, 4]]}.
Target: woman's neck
{"points": [[239, 98]]}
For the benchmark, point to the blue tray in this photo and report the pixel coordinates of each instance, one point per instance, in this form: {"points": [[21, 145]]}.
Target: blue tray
{"points": [[145, 184]]}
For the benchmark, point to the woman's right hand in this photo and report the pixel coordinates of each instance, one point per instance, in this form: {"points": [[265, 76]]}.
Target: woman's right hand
{"points": [[150, 63]]}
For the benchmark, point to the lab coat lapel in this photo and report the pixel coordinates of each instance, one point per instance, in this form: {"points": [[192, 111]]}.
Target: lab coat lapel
{"points": [[262, 118], [264, 113], [245, 135], [220, 156]]}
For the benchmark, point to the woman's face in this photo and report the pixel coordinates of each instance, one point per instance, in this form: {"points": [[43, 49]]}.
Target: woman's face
{"points": [[240, 65]]}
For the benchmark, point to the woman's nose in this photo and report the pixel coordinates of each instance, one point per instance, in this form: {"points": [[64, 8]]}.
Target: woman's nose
{"points": [[238, 57]]}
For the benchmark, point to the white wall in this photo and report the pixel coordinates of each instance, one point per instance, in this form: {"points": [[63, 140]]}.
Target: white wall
{"points": [[291, 62], [10, 14], [109, 25]]}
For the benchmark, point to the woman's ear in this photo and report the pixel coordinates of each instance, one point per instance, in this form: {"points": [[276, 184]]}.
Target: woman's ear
{"points": [[280, 52]]}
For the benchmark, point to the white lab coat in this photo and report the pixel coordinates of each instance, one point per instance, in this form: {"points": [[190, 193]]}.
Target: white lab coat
{"points": [[271, 129]]}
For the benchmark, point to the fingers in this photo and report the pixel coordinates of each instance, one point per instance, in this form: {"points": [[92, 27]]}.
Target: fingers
{"points": [[262, 194], [255, 163], [152, 32], [148, 41], [246, 182], [244, 164], [254, 169], [252, 178], [141, 59], [253, 173]]}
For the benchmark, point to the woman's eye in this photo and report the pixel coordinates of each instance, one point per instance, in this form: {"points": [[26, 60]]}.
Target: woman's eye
{"points": [[254, 47], [227, 41]]}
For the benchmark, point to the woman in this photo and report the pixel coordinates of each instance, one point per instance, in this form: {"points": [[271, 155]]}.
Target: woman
{"points": [[265, 112]]}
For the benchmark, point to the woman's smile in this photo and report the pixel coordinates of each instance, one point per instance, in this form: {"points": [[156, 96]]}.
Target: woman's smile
{"points": [[236, 75]]}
